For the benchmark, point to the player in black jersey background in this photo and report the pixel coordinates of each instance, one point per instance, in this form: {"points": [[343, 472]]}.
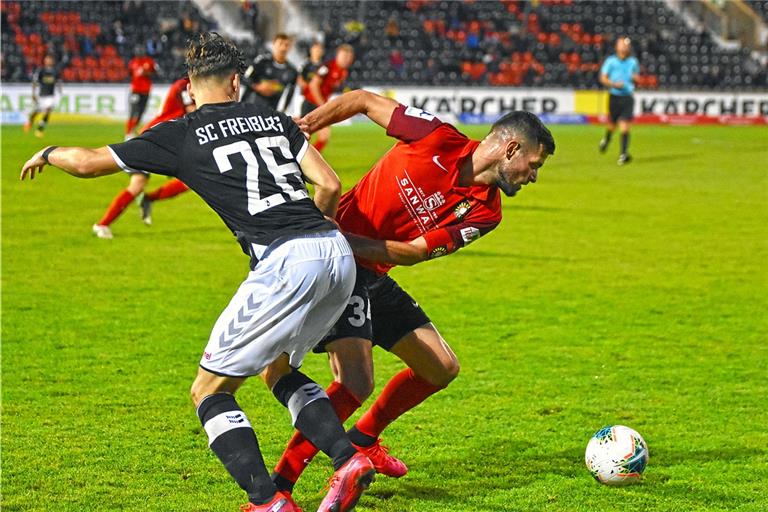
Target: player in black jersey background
{"points": [[45, 83], [311, 65], [249, 163], [271, 79]]}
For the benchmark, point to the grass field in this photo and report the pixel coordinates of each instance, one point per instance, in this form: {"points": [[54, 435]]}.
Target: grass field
{"points": [[632, 295]]}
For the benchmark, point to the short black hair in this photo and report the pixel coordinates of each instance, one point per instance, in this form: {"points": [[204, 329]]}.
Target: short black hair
{"points": [[211, 55], [529, 125]]}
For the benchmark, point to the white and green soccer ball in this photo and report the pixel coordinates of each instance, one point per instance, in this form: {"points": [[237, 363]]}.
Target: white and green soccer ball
{"points": [[616, 455]]}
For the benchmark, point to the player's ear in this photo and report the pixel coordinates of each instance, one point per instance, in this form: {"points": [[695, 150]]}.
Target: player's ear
{"points": [[512, 147], [190, 91], [236, 85]]}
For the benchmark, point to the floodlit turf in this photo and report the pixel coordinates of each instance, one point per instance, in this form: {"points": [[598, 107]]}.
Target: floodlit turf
{"points": [[632, 295]]}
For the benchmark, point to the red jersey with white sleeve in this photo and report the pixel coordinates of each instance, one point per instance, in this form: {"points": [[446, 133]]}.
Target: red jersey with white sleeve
{"points": [[174, 105], [141, 70], [412, 190], [333, 77]]}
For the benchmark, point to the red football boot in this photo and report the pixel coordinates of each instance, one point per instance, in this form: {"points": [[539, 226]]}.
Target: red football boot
{"points": [[384, 463], [348, 484], [280, 503]]}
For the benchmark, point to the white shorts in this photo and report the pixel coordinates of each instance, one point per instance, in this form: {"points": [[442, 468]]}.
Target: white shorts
{"points": [[46, 102], [292, 298]]}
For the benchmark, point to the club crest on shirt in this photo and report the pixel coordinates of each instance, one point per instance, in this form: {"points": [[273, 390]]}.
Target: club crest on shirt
{"points": [[461, 209], [438, 251], [469, 234]]}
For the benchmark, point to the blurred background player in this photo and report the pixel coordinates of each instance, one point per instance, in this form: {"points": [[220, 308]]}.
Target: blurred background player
{"points": [[620, 72], [177, 103], [327, 79], [271, 79], [310, 67], [142, 68], [45, 81]]}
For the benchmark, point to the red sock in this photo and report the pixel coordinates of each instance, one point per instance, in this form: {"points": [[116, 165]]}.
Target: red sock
{"points": [[130, 125], [299, 451], [402, 393], [319, 145], [119, 203], [168, 190]]}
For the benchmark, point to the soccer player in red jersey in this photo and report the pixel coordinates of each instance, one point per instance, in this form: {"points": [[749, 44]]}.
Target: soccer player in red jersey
{"points": [[177, 103], [433, 193], [327, 79], [141, 67]]}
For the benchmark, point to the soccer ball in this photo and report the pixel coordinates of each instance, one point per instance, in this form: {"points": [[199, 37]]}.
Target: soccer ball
{"points": [[616, 455]]}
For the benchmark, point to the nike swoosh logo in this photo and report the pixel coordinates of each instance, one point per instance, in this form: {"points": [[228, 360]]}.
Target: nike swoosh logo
{"points": [[437, 162]]}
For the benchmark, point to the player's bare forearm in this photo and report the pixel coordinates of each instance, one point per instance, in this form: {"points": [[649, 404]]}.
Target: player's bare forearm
{"points": [[389, 252], [79, 162], [378, 108]]}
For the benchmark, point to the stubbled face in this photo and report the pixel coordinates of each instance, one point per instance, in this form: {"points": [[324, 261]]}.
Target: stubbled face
{"points": [[280, 49], [519, 165], [316, 52], [345, 58], [623, 47]]}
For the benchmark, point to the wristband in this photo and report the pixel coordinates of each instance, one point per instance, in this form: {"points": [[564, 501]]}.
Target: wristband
{"points": [[47, 153]]}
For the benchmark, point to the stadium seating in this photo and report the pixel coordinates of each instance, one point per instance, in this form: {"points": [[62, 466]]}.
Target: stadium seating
{"points": [[553, 43], [93, 41], [511, 42]]}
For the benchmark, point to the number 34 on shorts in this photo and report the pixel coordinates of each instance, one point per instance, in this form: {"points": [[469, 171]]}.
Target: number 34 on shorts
{"points": [[358, 310]]}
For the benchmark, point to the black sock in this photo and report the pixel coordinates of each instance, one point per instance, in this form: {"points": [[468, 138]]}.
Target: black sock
{"points": [[607, 136], [282, 483], [313, 416], [234, 442], [624, 142], [359, 438]]}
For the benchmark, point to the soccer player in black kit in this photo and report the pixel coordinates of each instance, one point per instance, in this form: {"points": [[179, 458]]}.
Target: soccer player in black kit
{"points": [[249, 163], [45, 81], [271, 79], [312, 64]]}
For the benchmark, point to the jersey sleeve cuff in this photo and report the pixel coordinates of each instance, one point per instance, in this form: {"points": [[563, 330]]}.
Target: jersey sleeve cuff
{"points": [[121, 164], [302, 151]]}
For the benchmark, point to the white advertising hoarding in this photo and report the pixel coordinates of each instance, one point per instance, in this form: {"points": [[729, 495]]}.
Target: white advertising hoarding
{"points": [[480, 103]]}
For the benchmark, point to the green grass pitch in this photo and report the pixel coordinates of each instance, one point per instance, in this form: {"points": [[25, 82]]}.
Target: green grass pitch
{"points": [[633, 295]]}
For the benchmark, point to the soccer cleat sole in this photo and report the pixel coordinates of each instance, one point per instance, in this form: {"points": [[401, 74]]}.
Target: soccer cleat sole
{"points": [[364, 482]]}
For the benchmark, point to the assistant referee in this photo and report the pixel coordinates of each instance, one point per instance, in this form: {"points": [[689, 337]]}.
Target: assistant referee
{"points": [[620, 72]]}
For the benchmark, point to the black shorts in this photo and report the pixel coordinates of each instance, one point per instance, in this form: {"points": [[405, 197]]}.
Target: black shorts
{"points": [[138, 104], [379, 310], [307, 107], [621, 107]]}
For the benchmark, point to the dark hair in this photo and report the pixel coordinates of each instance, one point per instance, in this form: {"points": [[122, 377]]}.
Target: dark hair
{"points": [[530, 126], [211, 55], [281, 35]]}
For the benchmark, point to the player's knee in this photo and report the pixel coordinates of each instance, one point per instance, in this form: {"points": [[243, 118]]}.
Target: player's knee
{"points": [[451, 371], [361, 386], [446, 374], [197, 392]]}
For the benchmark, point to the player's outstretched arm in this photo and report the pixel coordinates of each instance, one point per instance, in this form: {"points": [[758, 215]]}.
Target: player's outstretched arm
{"points": [[79, 162], [378, 109], [389, 252], [326, 182]]}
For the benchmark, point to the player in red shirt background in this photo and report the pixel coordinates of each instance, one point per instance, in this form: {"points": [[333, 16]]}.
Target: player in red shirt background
{"points": [[434, 192], [141, 68], [327, 79], [177, 103]]}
